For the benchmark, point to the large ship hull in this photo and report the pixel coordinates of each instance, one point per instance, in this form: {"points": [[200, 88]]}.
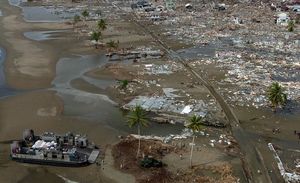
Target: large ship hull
{"points": [[51, 162]]}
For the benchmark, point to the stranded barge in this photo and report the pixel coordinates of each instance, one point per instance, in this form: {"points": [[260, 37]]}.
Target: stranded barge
{"points": [[52, 149]]}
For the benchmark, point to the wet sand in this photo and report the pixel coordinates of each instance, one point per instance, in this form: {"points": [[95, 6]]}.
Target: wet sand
{"points": [[32, 65]]}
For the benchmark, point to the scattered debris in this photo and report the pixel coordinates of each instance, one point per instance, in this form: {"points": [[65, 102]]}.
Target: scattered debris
{"points": [[287, 176]]}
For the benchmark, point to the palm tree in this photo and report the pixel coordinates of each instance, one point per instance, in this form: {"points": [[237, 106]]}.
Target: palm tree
{"points": [[137, 117], [195, 125], [291, 26], [85, 14], [123, 83], [96, 37], [102, 25], [276, 95], [76, 19], [112, 44]]}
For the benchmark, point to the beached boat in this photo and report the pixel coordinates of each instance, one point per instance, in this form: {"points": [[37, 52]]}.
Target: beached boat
{"points": [[52, 149]]}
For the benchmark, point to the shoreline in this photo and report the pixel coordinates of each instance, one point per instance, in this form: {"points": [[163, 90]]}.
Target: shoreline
{"points": [[29, 60]]}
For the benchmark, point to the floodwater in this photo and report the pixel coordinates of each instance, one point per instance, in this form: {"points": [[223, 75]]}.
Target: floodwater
{"points": [[43, 35], [16, 2], [4, 89], [39, 14], [96, 107]]}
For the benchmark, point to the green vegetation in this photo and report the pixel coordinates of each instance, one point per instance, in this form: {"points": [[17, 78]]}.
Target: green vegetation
{"points": [[76, 19], [96, 37], [85, 14], [194, 125], [297, 21], [150, 162], [291, 26], [276, 95], [137, 117], [124, 83], [102, 25], [113, 44]]}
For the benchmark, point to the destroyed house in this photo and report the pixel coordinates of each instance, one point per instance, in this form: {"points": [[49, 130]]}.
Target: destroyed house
{"points": [[282, 19], [141, 4]]}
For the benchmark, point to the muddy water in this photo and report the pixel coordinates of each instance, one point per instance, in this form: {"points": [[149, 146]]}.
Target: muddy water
{"points": [[39, 14], [95, 107], [43, 35], [16, 2], [4, 89]]}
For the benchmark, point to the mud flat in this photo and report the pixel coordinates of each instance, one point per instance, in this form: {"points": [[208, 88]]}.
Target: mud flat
{"points": [[29, 65]]}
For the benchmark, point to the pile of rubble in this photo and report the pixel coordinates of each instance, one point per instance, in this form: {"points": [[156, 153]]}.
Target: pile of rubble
{"points": [[248, 76], [169, 103], [168, 67]]}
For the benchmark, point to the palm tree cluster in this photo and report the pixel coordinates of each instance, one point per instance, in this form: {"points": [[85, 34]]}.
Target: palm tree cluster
{"points": [[276, 95], [97, 34], [138, 117]]}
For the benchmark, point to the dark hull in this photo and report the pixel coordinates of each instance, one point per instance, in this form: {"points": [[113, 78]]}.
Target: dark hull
{"points": [[51, 162]]}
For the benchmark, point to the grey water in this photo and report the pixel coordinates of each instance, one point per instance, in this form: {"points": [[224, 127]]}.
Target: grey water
{"points": [[43, 35], [1, 14], [44, 13], [39, 14], [36, 13], [4, 89], [96, 107], [16, 2]]}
